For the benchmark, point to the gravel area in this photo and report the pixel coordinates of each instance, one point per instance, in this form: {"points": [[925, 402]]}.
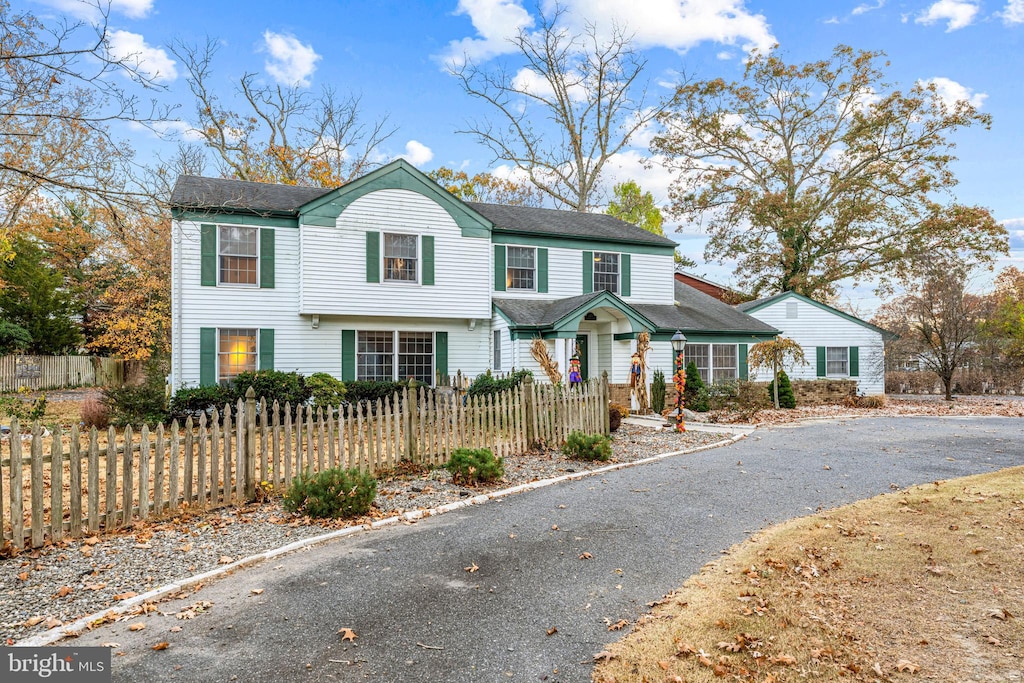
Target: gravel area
{"points": [[57, 584]]}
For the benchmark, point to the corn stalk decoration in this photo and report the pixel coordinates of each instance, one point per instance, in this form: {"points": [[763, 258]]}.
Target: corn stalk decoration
{"points": [[638, 373], [539, 351]]}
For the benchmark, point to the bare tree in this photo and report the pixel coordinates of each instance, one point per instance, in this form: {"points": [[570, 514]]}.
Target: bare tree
{"points": [[586, 85], [285, 135], [938, 320]]}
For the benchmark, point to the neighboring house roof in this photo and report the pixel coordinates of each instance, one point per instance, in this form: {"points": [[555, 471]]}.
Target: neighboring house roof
{"points": [[553, 222], [758, 304], [223, 195], [695, 310], [720, 292]]}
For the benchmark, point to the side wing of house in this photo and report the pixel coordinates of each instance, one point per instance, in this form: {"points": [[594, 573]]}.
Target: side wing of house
{"points": [[835, 345]]}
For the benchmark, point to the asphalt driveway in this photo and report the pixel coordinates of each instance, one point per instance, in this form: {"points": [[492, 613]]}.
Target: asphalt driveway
{"points": [[419, 615]]}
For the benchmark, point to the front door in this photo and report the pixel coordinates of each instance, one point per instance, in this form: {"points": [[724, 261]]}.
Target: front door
{"points": [[581, 348]]}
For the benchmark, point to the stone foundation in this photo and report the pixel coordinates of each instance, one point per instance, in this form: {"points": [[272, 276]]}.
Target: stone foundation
{"points": [[819, 392]]}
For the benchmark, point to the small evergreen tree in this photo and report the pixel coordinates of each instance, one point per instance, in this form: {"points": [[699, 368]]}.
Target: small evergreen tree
{"points": [[786, 397], [658, 391], [696, 395]]}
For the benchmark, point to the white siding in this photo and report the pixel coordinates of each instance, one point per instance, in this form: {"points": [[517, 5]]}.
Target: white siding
{"points": [[814, 327], [334, 262], [652, 280]]}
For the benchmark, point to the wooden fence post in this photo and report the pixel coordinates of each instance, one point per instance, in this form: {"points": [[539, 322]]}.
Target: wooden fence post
{"points": [[603, 399], [249, 452], [528, 399]]}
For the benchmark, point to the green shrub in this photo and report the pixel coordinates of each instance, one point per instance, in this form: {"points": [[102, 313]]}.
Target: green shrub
{"points": [[137, 404], [614, 418], [658, 391], [486, 384], [588, 446], [786, 397], [194, 401], [696, 399], [367, 391], [13, 338], [272, 385], [328, 391], [470, 466], [331, 493], [23, 408]]}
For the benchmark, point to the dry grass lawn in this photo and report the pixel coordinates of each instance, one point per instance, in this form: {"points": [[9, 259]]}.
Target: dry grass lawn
{"points": [[922, 584]]}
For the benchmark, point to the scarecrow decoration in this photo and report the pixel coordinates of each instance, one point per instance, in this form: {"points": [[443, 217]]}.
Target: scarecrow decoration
{"points": [[638, 373], [575, 376]]}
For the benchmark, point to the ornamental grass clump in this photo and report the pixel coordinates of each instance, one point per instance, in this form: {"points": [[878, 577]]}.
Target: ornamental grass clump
{"points": [[471, 466], [588, 446], [332, 493]]}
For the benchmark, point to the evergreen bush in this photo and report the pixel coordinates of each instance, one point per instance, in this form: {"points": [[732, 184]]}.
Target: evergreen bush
{"points": [[193, 401], [332, 493], [658, 391], [786, 397], [486, 384], [696, 396], [137, 404], [272, 385], [588, 446], [327, 390], [470, 466]]}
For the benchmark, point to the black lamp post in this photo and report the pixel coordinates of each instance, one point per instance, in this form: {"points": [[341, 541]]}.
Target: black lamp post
{"points": [[679, 378]]}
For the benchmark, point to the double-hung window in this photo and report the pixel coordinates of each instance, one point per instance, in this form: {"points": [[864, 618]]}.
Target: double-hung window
{"points": [[376, 356], [606, 272], [837, 360], [715, 362], [522, 268], [400, 257], [238, 254], [236, 352]]}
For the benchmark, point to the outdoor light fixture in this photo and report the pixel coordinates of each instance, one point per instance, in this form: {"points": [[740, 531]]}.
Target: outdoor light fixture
{"points": [[679, 378], [316, 320]]}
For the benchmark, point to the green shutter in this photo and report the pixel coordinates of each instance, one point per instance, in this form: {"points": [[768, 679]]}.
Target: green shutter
{"points": [[208, 250], [743, 361], [542, 270], [207, 356], [348, 355], [372, 256], [624, 266], [854, 361], [588, 272], [427, 243], [821, 361], [440, 354], [499, 268], [266, 258], [266, 349]]}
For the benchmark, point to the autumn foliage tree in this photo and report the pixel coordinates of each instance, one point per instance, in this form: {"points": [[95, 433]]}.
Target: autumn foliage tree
{"points": [[775, 354], [486, 187], [1005, 323], [808, 174]]}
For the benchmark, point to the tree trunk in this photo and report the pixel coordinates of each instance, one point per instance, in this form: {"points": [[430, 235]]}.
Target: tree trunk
{"points": [[947, 382], [775, 388]]}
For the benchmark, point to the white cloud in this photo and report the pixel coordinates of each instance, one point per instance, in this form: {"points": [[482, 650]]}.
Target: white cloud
{"points": [[150, 61], [724, 55], [865, 8], [950, 92], [832, 20], [133, 9], [674, 24], [1013, 13], [1015, 228], [957, 14], [416, 153], [290, 62]]}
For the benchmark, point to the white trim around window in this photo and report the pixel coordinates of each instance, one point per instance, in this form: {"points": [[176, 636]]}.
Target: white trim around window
{"points": [[238, 256], [237, 351], [837, 361], [715, 362], [520, 268], [394, 355], [607, 271], [406, 257]]}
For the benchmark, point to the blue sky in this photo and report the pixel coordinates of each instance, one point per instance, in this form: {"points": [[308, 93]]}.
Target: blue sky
{"points": [[392, 52]]}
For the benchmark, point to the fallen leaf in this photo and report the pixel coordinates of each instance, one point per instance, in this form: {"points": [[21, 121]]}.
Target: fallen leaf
{"points": [[32, 621], [604, 656], [257, 591], [95, 586], [143, 546], [472, 568], [786, 660], [877, 668], [618, 625], [175, 629], [731, 647], [23, 576], [53, 622], [937, 570], [552, 631], [125, 596], [991, 640], [980, 549], [586, 556], [185, 548], [907, 666], [664, 664], [92, 540], [1001, 613], [224, 559], [62, 592], [347, 634], [110, 644], [137, 626], [162, 645], [554, 527]]}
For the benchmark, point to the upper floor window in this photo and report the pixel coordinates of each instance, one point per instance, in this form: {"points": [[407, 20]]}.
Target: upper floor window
{"points": [[522, 268], [606, 272], [236, 352], [837, 360], [400, 257], [237, 250]]}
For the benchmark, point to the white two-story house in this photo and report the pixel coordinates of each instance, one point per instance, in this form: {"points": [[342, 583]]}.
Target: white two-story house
{"points": [[389, 276]]}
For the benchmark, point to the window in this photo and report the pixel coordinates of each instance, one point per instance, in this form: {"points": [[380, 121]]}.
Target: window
{"points": [[236, 353], [416, 356], [497, 349], [715, 362], [791, 310], [606, 272], [522, 268], [375, 356], [237, 254], [399, 257], [837, 360]]}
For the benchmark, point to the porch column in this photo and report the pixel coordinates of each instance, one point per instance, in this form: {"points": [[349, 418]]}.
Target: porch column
{"points": [[562, 358]]}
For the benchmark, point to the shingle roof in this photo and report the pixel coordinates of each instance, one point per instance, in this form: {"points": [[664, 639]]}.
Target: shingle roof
{"points": [[695, 310], [528, 219], [539, 312], [196, 192]]}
